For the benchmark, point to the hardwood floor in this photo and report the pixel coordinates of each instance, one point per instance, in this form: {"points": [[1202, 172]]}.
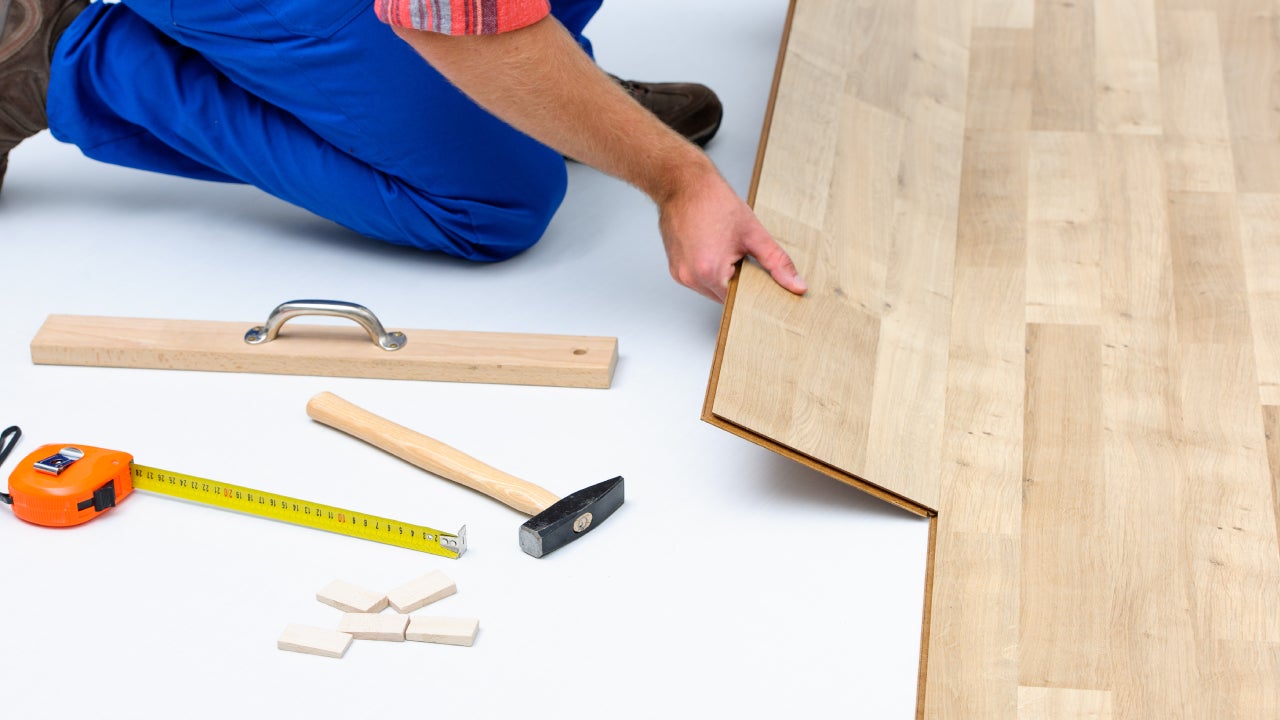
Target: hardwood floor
{"points": [[1042, 239]]}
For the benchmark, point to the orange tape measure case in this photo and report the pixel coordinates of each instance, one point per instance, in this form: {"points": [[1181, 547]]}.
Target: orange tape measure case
{"points": [[65, 485]]}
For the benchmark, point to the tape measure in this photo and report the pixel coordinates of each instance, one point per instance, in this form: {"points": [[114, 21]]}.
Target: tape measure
{"points": [[66, 485]]}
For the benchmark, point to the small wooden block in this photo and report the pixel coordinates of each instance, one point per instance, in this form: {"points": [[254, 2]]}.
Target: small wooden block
{"points": [[374, 626], [443, 630], [314, 641], [351, 598], [421, 592]]}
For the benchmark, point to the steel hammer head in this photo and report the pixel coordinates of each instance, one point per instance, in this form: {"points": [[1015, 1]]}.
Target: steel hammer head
{"points": [[571, 517]]}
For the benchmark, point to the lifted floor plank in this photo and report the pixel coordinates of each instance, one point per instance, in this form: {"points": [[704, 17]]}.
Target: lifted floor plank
{"points": [[860, 181]]}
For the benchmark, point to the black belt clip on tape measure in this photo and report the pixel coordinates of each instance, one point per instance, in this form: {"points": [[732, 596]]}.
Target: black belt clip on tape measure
{"points": [[8, 439]]}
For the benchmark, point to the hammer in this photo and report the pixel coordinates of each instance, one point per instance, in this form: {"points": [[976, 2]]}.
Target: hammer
{"points": [[555, 523]]}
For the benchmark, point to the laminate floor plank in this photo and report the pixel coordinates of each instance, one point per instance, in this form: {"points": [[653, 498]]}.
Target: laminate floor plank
{"points": [[1065, 589], [1197, 132], [876, 233], [1004, 13], [1000, 64], [1045, 703], [1064, 91], [1126, 67], [1063, 198], [1271, 428], [1211, 303], [983, 427], [973, 661], [1260, 228], [1250, 38]]}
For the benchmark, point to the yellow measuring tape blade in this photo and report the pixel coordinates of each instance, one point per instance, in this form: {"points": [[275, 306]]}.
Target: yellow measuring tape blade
{"points": [[299, 512]]}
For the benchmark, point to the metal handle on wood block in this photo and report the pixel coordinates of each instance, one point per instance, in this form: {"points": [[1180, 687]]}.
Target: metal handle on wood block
{"points": [[333, 308]]}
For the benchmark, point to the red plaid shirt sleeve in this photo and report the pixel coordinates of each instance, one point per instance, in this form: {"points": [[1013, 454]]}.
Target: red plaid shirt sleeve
{"points": [[462, 17]]}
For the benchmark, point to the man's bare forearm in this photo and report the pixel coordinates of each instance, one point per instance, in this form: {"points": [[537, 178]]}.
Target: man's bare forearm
{"points": [[540, 82]]}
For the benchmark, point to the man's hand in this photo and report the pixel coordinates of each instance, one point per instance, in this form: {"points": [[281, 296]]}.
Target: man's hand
{"points": [[707, 229], [540, 81]]}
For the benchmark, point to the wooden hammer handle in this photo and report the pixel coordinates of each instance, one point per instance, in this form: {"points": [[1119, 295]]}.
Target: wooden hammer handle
{"points": [[429, 454]]}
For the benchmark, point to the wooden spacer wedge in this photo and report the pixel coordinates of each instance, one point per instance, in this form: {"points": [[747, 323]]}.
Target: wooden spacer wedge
{"points": [[421, 592], [442, 630], [374, 626], [348, 597], [314, 641]]}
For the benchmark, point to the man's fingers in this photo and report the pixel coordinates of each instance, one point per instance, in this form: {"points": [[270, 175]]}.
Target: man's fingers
{"points": [[708, 270], [785, 274], [778, 263], [709, 284], [720, 285], [712, 279], [714, 286]]}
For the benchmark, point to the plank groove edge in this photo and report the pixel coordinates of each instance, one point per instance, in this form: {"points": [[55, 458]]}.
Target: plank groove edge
{"points": [[815, 464]]}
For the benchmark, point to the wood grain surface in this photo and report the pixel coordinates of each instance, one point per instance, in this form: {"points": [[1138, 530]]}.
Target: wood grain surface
{"points": [[327, 350], [1042, 239]]}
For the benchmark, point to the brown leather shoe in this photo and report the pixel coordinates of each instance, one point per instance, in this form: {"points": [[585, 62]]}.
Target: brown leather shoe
{"points": [[690, 109], [29, 30]]}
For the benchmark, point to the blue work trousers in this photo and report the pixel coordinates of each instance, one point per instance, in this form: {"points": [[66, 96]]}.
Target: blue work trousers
{"points": [[316, 102]]}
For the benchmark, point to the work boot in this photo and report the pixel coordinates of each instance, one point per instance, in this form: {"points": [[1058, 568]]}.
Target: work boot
{"points": [[690, 109], [29, 30]]}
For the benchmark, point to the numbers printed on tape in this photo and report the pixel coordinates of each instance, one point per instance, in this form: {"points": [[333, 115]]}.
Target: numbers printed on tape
{"points": [[298, 512]]}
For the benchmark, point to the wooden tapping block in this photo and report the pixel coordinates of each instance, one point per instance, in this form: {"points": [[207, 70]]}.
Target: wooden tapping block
{"points": [[335, 351], [314, 641], [374, 626], [351, 598], [421, 592], [442, 630]]}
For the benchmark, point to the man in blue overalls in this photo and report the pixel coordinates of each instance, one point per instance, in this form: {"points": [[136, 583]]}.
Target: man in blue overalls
{"points": [[319, 103]]}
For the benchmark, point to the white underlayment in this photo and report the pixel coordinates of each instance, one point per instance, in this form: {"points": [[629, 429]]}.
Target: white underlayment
{"points": [[733, 583]]}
